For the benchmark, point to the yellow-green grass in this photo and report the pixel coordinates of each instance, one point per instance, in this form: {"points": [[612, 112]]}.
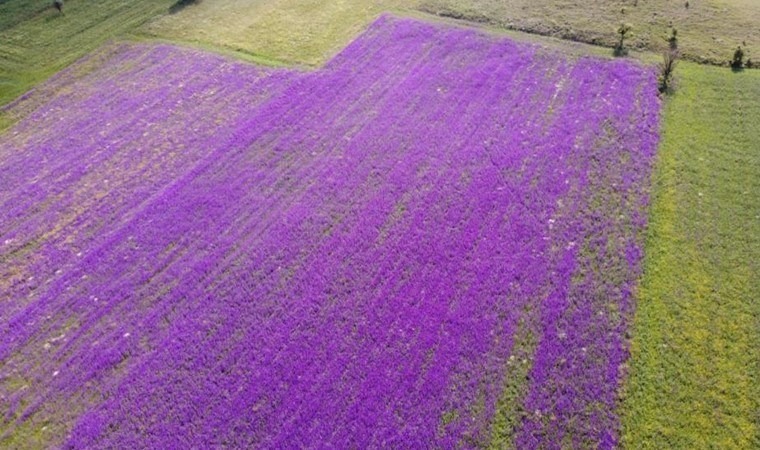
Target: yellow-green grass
{"points": [[36, 41], [306, 32], [708, 30], [695, 362]]}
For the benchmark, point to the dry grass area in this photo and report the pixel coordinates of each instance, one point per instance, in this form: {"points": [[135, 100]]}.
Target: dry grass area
{"points": [[708, 30], [293, 31]]}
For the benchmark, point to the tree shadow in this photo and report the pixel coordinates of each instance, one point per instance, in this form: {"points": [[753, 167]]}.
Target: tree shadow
{"points": [[179, 5], [619, 51]]}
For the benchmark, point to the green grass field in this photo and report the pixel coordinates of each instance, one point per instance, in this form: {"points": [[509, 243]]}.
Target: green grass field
{"points": [[708, 30], [36, 41], [695, 363]]}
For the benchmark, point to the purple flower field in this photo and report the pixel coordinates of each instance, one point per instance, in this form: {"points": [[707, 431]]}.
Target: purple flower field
{"points": [[433, 241]]}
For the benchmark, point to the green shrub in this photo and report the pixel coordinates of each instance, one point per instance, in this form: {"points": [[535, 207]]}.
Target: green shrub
{"points": [[738, 61]]}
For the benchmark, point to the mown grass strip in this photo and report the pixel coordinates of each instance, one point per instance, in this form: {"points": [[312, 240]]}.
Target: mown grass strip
{"points": [[695, 377]]}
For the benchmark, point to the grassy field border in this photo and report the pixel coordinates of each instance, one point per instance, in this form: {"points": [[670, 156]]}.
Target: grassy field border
{"points": [[694, 379]]}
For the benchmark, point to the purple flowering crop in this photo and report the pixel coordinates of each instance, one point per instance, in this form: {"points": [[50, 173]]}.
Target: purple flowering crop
{"points": [[200, 253]]}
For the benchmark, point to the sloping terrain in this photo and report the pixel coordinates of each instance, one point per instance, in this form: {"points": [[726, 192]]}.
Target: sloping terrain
{"points": [[708, 30], [434, 239]]}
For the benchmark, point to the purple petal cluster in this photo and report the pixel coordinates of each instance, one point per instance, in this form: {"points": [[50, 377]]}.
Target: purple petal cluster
{"points": [[200, 253]]}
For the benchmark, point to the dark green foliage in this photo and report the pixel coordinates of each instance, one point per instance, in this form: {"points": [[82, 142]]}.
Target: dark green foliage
{"points": [[179, 5], [623, 30], [738, 60], [667, 67], [673, 39]]}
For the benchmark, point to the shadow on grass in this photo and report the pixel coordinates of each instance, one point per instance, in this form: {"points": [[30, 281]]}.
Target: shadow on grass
{"points": [[619, 52], [179, 5]]}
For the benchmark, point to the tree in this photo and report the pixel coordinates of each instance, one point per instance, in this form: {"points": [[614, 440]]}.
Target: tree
{"points": [[738, 61], [668, 65], [623, 31], [673, 39]]}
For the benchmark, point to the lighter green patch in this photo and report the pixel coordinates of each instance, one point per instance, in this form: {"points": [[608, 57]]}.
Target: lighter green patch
{"points": [[695, 373]]}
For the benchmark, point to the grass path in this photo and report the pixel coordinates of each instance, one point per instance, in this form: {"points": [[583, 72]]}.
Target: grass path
{"points": [[695, 372]]}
